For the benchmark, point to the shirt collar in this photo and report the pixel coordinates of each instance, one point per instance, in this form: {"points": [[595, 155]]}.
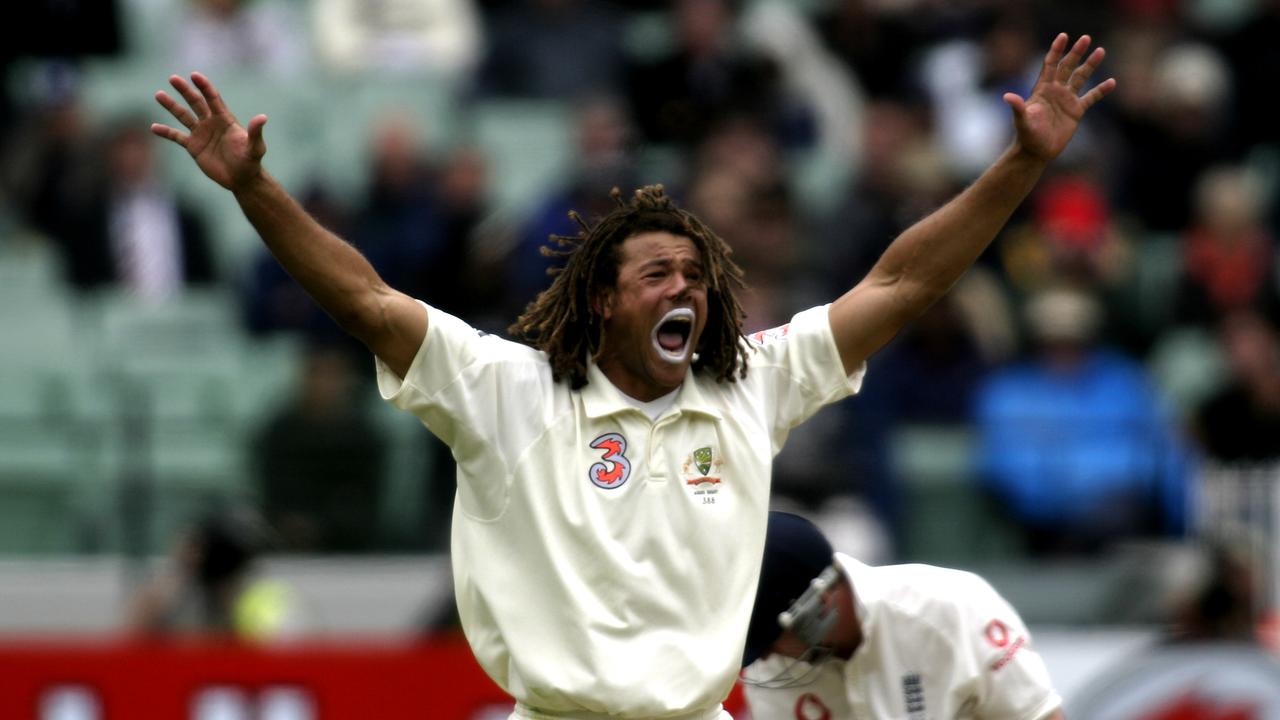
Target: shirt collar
{"points": [[600, 397], [867, 592]]}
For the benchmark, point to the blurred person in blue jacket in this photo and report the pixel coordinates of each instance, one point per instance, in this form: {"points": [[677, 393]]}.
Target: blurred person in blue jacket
{"points": [[1075, 443]]}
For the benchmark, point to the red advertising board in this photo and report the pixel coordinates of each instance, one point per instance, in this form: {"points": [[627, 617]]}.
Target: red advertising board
{"points": [[124, 680]]}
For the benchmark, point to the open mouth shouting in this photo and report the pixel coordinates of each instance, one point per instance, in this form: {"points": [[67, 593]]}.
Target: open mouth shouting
{"points": [[671, 335]]}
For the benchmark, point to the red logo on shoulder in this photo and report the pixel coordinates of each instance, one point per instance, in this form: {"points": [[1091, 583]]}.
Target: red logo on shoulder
{"points": [[777, 333], [998, 635]]}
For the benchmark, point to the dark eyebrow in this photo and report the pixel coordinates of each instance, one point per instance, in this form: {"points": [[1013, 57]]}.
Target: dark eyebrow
{"points": [[655, 262], [666, 263]]}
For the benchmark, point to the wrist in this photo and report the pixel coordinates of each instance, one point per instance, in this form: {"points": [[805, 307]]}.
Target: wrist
{"points": [[1019, 157], [253, 183]]}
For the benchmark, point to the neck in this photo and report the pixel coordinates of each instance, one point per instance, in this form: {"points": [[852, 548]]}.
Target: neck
{"points": [[846, 636], [629, 383]]}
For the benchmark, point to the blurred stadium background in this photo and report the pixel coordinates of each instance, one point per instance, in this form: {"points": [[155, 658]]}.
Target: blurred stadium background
{"points": [[1091, 420]]}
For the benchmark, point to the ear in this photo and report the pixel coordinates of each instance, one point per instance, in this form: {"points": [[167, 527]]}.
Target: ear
{"points": [[603, 303]]}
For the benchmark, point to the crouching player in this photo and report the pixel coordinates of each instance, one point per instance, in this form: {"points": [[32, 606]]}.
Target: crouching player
{"points": [[834, 639]]}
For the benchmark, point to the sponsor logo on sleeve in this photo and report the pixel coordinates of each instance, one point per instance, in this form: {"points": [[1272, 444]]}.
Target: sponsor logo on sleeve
{"points": [[764, 337], [997, 633]]}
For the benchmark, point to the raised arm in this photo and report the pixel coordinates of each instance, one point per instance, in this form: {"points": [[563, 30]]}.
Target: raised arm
{"points": [[391, 324], [926, 260]]}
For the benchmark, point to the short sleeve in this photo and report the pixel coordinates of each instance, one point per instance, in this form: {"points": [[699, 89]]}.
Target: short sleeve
{"points": [[1012, 680], [478, 393], [451, 344], [799, 370]]}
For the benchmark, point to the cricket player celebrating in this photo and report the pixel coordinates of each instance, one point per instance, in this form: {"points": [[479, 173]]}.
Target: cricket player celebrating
{"points": [[834, 639], [614, 463]]}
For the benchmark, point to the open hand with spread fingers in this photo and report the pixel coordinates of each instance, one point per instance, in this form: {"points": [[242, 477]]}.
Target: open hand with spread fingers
{"points": [[230, 154], [1046, 120]]}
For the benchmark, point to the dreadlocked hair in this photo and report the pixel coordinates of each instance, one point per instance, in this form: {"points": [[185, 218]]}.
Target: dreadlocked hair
{"points": [[563, 322]]}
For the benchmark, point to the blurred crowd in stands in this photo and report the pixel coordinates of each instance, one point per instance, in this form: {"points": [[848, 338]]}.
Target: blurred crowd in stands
{"points": [[1120, 333]]}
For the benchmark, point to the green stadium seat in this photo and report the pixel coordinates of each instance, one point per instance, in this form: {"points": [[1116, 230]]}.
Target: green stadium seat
{"points": [[43, 453], [41, 333], [36, 519], [30, 270], [1188, 366], [528, 145], [194, 324], [649, 35], [269, 374], [1158, 268], [821, 181], [173, 464], [947, 520], [166, 378]]}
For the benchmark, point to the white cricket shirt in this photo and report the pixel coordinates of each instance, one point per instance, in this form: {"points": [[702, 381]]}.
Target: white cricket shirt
{"points": [[937, 643], [604, 562]]}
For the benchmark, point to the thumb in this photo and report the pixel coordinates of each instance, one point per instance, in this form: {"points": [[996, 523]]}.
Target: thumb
{"points": [[1015, 103], [257, 146]]}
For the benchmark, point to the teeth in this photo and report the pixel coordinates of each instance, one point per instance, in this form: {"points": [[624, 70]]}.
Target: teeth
{"points": [[678, 315]]}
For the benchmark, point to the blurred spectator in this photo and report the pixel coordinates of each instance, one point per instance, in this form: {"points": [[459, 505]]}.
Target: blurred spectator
{"points": [[62, 29], [740, 190], [1241, 422], [1251, 51], [209, 586], [1228, 253], [901, 180], [321, 462], [48, 167], [1171, 116], [399, 227], [1211, 659], [1223, 603], [273, 302], [709, 77], [929, 373], [116, 221], [428, 228], [562, 49], [965, 79], [475, 241], [603, 161], [877, 42], [262, 36], [439, 37], [1074, 441], [812, 80], [1070, 234]]}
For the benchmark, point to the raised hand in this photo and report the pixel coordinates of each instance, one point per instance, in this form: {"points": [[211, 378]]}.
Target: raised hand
{"points": [[1047, 119], [231, 155]]}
